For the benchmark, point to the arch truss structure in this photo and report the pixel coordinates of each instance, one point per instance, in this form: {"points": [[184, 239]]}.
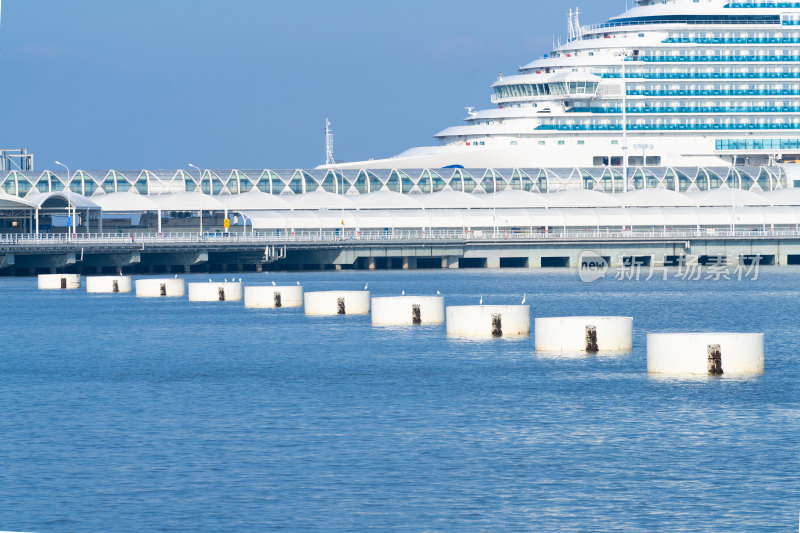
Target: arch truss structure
{"points": [[405, 181]]}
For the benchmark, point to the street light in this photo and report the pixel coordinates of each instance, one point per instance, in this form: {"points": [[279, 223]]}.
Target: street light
{"points": [[69, 199], [246, 218], [199, 183], [199, 172]]}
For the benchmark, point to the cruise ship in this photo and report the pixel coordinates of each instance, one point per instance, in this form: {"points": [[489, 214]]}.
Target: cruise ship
{"points": [[668, 83]]}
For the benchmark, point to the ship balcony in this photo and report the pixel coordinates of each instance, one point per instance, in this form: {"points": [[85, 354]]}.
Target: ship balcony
{"points": [[719, 59]]}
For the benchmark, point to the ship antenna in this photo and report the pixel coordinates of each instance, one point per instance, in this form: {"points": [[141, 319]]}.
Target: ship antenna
{"points": [[570, 27], [329, 160], [577, 23]]}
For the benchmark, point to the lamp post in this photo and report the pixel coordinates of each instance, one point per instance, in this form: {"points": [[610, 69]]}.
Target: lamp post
{"points": [[200, 172], [245, 219], [70, 205], [199, 183]]}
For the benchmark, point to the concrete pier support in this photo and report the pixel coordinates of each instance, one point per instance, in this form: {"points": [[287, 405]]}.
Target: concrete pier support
{"points": [[6, 260], [409, 263]]}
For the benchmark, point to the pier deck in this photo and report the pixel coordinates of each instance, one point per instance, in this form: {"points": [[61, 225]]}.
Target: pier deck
{"points": [[24, 254]]}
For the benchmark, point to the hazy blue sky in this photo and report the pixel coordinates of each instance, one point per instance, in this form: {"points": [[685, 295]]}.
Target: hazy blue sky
{"points": [[247, 83]]}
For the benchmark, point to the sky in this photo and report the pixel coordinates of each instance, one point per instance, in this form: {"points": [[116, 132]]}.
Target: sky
{"points": [[245, 84]]}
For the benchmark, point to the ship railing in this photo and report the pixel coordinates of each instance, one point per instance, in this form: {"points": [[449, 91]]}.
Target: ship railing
{"points": [[591, 28]]}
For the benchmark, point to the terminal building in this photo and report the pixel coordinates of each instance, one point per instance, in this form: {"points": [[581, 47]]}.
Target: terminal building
{"points": [[457, 200]]}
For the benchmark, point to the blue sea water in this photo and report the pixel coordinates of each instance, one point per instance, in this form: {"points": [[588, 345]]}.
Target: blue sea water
{"points": [[121, 414]]}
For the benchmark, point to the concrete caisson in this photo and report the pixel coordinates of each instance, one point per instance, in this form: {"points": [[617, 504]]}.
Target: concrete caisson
{"points": [[272, 297], [705, 353], [225, 291], [408, 311], [590, 334], [59, 281], [489, 320], [330, 303], [108, 284], [160, 288]]}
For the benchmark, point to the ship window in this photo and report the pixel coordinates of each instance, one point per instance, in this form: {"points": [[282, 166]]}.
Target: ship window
{"points": [[636, 160], [600, 161], [514, 143], [581, 142], [615, 141], [541, 142], [653, 160], [560, 142]]}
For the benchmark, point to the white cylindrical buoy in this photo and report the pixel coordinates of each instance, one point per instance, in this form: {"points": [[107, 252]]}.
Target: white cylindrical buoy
{"points": [[705, 353], [226, 291], [108, 284], [59, 281], [331, 303], [489, 320], [408, 311], [272, 297], [590, 334], [155, 288]]}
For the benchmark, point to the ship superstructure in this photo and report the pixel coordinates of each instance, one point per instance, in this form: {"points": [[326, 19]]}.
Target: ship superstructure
{"points": [[667, 83]]}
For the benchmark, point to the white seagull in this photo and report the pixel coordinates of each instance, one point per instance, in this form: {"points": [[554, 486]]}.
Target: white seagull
{"points": [[366, 286], [438, 293], [298, 283], [524, 297], [273, 284], [403, 292], [481, 300]]}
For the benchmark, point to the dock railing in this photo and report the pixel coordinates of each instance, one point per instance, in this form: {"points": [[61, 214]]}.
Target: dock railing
{"points": [[346, 237]]}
